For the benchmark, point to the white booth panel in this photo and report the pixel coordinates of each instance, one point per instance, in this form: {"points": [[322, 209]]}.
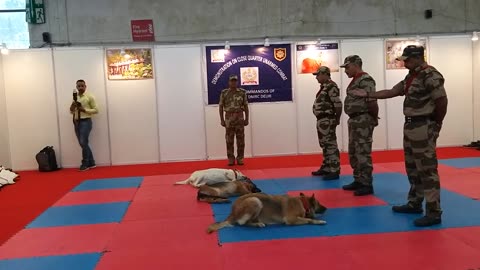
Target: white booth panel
{"points": [[4, 140], [372, 53], [31, 105], [180, 103], [395, 117], [72, 64], [274, 129], [132, 114], [476, 89], [447, 55]]}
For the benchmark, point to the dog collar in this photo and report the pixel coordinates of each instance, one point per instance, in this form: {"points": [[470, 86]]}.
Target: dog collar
{"points": [[305, 205], [235, 172]]}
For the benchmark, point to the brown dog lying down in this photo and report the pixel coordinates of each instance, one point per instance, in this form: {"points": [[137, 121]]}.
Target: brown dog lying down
{"points": [[220, 192], [259, 209]]}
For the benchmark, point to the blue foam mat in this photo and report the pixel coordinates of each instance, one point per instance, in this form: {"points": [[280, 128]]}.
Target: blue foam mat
{"points": [[81, 214], [389, 187], [461, 163], [70, 262], [109, 183]]}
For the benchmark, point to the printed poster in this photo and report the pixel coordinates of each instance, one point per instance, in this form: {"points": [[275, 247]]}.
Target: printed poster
{"points": [[394, 49], [129, 64], [310, 57], [264, 72]]}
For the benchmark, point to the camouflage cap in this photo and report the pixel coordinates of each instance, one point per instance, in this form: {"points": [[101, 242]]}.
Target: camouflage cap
{"points": [[233, 77], [323, 70], [411, 50], [352, 59]]}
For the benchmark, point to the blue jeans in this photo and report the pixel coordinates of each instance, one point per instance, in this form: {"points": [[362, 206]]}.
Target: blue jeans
{"points": [[82, 130]]}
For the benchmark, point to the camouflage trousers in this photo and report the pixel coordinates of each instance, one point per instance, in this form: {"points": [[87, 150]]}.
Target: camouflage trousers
{"points": [[327, 138], [235, 128], [360, 132], [419, 144]]}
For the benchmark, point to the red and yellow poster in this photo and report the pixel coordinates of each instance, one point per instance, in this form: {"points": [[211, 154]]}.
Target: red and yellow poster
{"points": [[312, 56], [129, 64]]}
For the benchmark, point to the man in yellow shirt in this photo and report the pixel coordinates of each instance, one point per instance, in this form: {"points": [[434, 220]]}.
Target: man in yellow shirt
{"points": [[83, 108]]}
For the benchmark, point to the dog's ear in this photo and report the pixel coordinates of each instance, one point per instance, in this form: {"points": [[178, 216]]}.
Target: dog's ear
{"points": [[313, 196], [302, 195]]}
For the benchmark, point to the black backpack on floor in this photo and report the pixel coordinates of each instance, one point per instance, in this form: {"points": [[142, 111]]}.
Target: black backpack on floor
{"points": [[47, 160]]}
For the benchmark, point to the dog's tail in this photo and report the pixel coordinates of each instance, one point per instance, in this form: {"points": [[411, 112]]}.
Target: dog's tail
{"points": [[183, 182], [218, 225]]}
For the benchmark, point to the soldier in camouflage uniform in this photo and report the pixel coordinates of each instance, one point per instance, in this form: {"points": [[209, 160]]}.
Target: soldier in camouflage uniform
{"points": [[424, 107], [327, 108], [233, 101], [363, 118]]}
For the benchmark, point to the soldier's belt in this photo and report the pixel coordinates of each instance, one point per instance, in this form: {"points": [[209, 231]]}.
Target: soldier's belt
{"points": [[239, 112], [418, 118], [326, 115], [353, 115]]}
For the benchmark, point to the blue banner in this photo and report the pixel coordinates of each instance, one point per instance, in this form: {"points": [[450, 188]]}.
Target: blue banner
{"points": [[264, 72]]}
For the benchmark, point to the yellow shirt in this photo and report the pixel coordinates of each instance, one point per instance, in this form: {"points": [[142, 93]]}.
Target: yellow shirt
{"points": [[88, 103]]}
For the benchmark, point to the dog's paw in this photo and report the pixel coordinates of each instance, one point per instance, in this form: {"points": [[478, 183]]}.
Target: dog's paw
{"points": [[261, 225], [319, 222]]}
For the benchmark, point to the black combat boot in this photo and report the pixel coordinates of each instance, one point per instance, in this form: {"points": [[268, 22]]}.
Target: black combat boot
{"points": [[408, 209], [363, 190], [352, 186], [331, 176], [427, 221]]}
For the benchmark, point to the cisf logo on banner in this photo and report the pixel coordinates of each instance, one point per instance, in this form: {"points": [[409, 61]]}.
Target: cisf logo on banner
{"points": [[280, 54], [142, 30]]}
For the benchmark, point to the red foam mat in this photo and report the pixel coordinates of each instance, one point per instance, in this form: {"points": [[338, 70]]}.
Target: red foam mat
{"points": [[467, 184], [97, 196], [163, 232], [58, 241], [430, 250], [178, 257], [167, 179], [335, 198]]}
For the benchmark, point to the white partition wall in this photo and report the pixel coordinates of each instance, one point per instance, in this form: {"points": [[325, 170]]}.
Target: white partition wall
{"points": [[132, 114], [4, 140], [72, 64], [372, 53], [476, 89], [274, 130], [452, 56], [305, 91], [31, 105], [180, 103]]}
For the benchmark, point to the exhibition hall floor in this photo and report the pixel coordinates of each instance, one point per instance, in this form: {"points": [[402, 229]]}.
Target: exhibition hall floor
{"points": [[133, 217]]}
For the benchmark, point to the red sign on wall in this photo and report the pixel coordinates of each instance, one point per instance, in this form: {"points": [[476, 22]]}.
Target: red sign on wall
{"points": [[142, 30]]}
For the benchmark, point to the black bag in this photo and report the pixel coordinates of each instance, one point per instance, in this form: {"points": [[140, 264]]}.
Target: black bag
{"points": [[47, 160]]}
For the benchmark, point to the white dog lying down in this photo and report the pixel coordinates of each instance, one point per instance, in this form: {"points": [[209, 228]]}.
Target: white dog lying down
{"points": [[212, 176]]}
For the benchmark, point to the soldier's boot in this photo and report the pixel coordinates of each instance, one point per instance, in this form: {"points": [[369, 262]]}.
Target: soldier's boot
{"points": [[231, 161], [320, 171], [331, 176], [407, 209], [363, 190], [239, 161], [352, 186], [427, 221]]}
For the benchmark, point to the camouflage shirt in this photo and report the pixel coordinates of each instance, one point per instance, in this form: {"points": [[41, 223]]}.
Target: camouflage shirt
{"points": [[328, 98], [426, 85], [354, 104], [233, 100]]}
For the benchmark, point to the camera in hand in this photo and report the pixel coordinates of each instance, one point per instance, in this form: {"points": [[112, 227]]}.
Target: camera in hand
{"points": [[75, 95]]}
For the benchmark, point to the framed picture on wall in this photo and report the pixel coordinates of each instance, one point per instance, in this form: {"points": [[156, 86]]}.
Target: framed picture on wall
{"points": [[129, 64], [394, 48], [310, 57]]}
